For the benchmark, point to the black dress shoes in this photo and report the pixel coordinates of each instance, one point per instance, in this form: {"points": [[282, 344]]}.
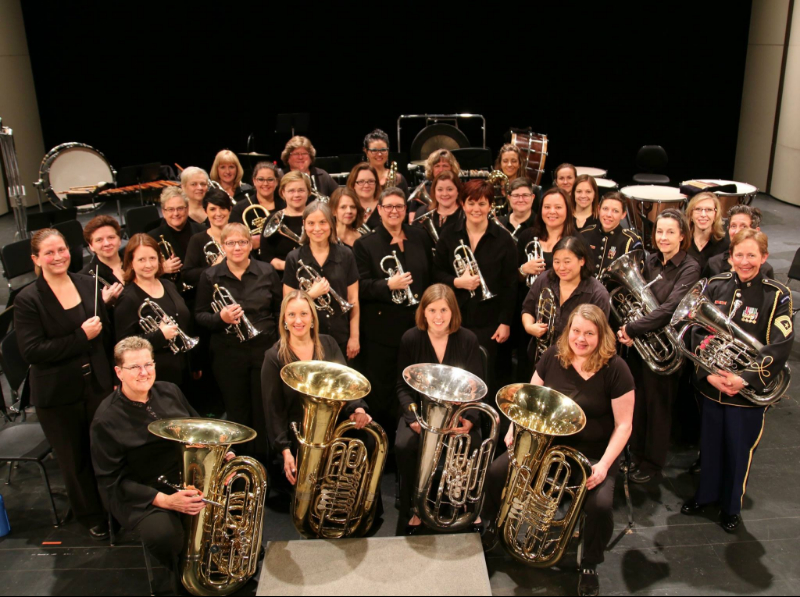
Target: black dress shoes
{"points": [[642, 476], [489, 537], [691, 507], [588, 583], [99, 532], [413, 529], [729, 522]]}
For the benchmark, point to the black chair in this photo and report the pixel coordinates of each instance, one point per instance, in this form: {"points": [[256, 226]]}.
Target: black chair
{"points": [[142, 219], [652, 160], [73, 232], [17, 262], [64, 215], [16, 371]]}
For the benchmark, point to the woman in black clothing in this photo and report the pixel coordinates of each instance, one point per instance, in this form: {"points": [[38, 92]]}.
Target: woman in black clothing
{"points": [[520, 200], [376, 148], [555, 222], [363, 180], [266, 177], [298, 156], [584, 366], [708, 236], [103, 235], [143, 271], [295, 191], [300, 340], [446, 205], [336, 267], [655, 393], [195, 183], [227, 171], [217, 206], [256, 290], [64, 333], [349, 215], [437, 338], [565, 176], [585, 202]]}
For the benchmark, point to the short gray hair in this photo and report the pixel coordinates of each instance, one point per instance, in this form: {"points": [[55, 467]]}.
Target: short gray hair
{"points": [[397, 191], [170, 193], [191, 171], [130, 344]]}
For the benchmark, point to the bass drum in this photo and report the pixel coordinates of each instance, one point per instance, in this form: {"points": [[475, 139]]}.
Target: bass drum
{"points": [[72, 165], [533, 147]]}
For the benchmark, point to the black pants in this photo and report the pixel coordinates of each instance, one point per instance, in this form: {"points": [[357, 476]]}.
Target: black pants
{"points": [[598, 508], [652, 415], [67, 430], [728, 442], [162, 534], [380, 368]]}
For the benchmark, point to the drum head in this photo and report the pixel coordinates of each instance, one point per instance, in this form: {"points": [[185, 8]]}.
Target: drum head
{"points": [[596, 172], [653, 193], [606, 184], [72, 165]]}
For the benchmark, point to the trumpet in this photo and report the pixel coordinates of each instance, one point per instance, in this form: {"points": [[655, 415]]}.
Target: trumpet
{"points": [[426, 220], [275, 224], [254, 217], [398, 296], [244, 330], [149, 324], [546, 313], [323, 303], [167, 251], [213, 251], [391, 178], [314, 192], [421, 195], [465, 262], [534, 251]]}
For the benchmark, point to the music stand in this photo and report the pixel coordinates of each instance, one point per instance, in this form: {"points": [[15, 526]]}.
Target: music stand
{"points": [[293, 123]]}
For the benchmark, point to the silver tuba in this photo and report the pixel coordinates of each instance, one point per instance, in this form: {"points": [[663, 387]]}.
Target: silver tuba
{"points": [[534, 251], [149, 322], [729, 348], [426, 220], [322, 303], [660, 349], [244, 330], [450, 499], [465, 262], [275, 224], [398, 296], [546, 313]]}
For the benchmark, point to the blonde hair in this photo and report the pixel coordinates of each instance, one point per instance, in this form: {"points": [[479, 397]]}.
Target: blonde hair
{"points": [[171, 193], [294, 176], [130, 344], [226, 156], [232, 229], [187, 173], [717, 231], [298, 142], [750, 234], [606, 343], [285, 355], [437, 156]]}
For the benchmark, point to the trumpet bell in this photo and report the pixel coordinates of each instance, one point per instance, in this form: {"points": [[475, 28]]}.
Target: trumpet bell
{"points": [[540, 410], [445, 384]]}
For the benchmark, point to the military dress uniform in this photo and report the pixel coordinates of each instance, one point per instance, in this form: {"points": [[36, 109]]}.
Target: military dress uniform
{"points": [[605, 247], [732, 426]]}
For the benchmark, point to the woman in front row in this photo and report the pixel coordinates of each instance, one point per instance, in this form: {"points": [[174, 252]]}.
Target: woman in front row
{"points": [[437, 338], [732, 425], [300, 340], [584, 366]]}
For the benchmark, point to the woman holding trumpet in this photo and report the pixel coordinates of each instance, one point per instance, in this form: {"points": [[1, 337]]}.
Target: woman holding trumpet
{"points": [[143, 269], [327, 272], [278, 241], [205, 248], [242, 295], [266, 177], [349, 215]]}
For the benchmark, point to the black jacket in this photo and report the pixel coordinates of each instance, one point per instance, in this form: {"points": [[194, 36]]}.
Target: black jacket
{"points": [[606, 247]]}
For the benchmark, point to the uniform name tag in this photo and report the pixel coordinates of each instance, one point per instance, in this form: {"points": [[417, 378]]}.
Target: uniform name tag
{"points": [[749, 315], [720, 302]]}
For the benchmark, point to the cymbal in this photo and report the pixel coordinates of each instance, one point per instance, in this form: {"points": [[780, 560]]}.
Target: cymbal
{"points": [[253, 154]]}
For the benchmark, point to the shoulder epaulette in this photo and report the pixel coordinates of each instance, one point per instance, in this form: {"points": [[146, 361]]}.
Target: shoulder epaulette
{"points": [[721, 276], [631, 234], [776, 284]]}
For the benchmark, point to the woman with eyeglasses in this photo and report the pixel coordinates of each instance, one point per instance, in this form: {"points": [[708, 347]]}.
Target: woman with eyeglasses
{"points": [[708, 235], [218, 207], [227, 171], [376, 148], [363, 180], [655, 393], [298, 156], [194, 183], [294, 189], [266, 177], [349, 215]]}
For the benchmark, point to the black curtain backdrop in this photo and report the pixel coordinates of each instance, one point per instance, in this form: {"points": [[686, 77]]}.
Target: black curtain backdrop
{"points": [[147, 82]]}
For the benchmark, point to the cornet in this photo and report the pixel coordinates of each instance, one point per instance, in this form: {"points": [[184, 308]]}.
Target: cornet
{"points": [[465, 262], [398, 296], [254, 217], [149, 322], [534, 251], [426, 220], [323, 303], [222, 298], [167, 252], [213, 251], [275, 224]]}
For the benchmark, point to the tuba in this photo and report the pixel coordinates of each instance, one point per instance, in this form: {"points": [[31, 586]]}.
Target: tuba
{"points": [[398, 296], [323, 303], [546, 313], [465, 262], [426, 220], [450, 499], [254, 217], [534, 251], [275, 224], [729, 348], [337, 484], [221, 298], [224, 540], [546, 486], [421, 195], [660, 349], [213, 251], [149, 322]]}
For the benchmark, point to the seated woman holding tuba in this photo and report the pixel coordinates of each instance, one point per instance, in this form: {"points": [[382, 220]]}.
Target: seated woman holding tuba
{"points": [[584, 366]]}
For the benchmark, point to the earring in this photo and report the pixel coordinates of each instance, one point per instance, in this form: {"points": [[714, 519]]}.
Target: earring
{"points": [[285, 326], [312, 325]]}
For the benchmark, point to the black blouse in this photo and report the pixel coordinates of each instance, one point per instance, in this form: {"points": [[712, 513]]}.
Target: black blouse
{"points": [[238, 209], [341, 272], [282, 404], [97, 266], [713, 247], [195, 263], [179, 239], [279, 246], [594, 395], [463, 351], [506, 221], [441, 223], [127, 458], [590, 221]]}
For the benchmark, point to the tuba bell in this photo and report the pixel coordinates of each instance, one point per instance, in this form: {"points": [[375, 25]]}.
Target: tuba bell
{"points": [[337, 484], [149, 322], [729, 348], [224, 540], [465, 262], [450, 499], [660, 349], [275, 224], [543, 481], [546, 313], [254, 217]]}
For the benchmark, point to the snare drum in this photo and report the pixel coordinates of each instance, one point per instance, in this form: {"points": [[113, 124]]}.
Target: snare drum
{"points": [[647, 201], [533, 147], [595, 172], [744, 195], [72, 165]]}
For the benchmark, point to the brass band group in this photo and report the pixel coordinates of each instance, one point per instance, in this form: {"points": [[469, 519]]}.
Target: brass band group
{"points": [[460, 328]]}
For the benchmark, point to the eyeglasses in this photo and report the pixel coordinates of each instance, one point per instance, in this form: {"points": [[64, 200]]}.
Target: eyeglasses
{"points": [[384, 150], [174, 210], [365, 183], [705, 210], [299, 154], [140, 368], [265, 180], [395, 208], [521, 195], [236, 243]]}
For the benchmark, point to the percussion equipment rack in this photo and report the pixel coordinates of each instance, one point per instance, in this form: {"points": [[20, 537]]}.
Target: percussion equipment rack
{"points": [[13, 181], [434, 118]]}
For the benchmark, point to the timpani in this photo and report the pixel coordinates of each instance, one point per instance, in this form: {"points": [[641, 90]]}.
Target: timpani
{"points": [[744, 195], [647, 201], [606, 185], [594, 172]]}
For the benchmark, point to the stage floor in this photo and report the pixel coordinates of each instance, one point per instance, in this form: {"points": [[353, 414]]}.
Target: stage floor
{"points": [[666, 554]]}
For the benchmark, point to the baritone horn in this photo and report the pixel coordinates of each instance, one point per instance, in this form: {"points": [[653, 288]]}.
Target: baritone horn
{"points": [[398, 296], [254, 217], [244, 330], [223, 541], [149, 322], [546, 486], [450, 499], [322, 303], [546, 313], [275, 224], [465, 262], [729, 348], [337, 481]]}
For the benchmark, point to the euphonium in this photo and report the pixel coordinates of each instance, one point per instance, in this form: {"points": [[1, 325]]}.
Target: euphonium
{"points": [[337, 483], [167, 252], [465, 262], [275, 224], [542, 481], [729, 348], [323, 303], [426, 220], [244, 330], [254, 217], [500, 181], [420, 194], [546, 313], [534, 251], [224, 540], [660, 349], [150, 324], [450, 499], [398, 296], [213, 251], [391, 178]]}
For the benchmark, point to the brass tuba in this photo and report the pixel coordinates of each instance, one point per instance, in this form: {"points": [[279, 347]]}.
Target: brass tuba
{"points": [[224, 540], [465, 262], [254, 217], [398, 296], [660, 349], [337, 484], [729, 348], [546, 313], [450, 499], [275, 224], [149, 322], [542, 481]]}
